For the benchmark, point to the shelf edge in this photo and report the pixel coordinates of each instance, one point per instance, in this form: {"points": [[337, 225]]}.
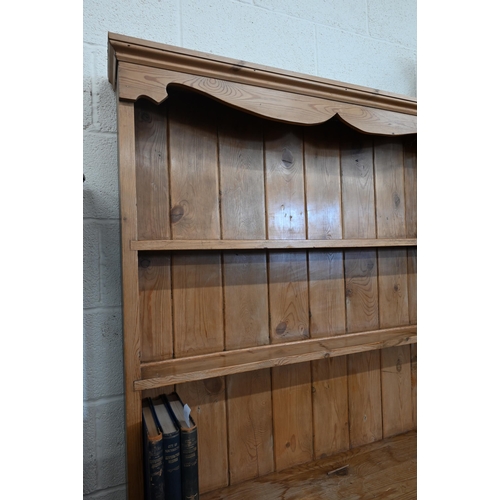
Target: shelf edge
{"points": [[162, 373]]}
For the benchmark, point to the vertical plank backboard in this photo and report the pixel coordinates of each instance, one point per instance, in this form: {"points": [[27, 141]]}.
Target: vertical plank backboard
{"points": [[250, 432], [246, 312], [153, 205], [360, 267], [330, 406], [155, 306], [288, 292], [196, 276], [326, 286], [358, 196], [207, 401], [393, 286]]}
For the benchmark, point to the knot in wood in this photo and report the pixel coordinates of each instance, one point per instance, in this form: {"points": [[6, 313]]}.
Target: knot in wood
{"points": [[176, 213], [287, 158], [281, 328]]}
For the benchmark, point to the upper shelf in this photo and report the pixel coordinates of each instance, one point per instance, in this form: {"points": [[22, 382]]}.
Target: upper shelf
{"points": [[268, 244], [139, 68]]}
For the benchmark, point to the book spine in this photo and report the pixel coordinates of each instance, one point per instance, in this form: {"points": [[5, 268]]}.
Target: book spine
{"points": [[172, 466], [189, 464], [154, 480]]}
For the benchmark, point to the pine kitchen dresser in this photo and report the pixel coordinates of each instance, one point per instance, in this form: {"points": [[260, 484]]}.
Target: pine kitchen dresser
{"points": [[268, 230]]}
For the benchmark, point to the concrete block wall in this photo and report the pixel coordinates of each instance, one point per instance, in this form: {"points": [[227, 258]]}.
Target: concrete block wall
{"points": [[365, 42]]}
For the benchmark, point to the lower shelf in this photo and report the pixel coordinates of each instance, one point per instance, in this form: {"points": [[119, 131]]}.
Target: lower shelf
{"points": [[385, 469]]}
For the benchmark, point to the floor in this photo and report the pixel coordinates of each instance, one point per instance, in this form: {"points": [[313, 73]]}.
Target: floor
{"points": [[383, 470]]}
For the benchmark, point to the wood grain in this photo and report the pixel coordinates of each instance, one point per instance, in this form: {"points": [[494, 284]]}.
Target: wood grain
{"points": [[365, 408], [413, 354], [288, 107], [326, 293], [397, 404], [156, 374], [410, 168], [130, 51], [153, 203], [249, 244], [241, 159], [389, 187], [323, 190], [155, 306], [246, 311], [358, 203], [207, 401], [197, 304], [250, 432], [130, 296], [292, 414], [330, 406], [385, 469], [194, 169]]}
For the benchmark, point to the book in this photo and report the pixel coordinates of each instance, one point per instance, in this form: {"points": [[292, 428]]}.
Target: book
{"points": [[189, 445], [171, 450], [152, 440]]}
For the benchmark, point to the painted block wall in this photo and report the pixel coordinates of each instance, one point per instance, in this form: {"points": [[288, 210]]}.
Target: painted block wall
{"points": [[364, 42]]}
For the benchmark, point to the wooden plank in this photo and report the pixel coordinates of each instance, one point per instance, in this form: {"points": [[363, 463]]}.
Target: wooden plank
{"points": [[250, 432], [410, 169], [358, 205], [155, 306], [286, 214], [412, 285], [393, 286], [397, 404], [197, 304], [193, 168], [361, 290], [241, 160], [153, 204], [326, 287], [365, 409], [288, 294], [249, 244], [330, 406], [156, 374], [132, 51], [385, 469], [246, 312], [197, 277], [390, 187], [288, 107], [293, 439], [323, 189], [326, 293], [130, 298], [413, 354], [207, 401]]}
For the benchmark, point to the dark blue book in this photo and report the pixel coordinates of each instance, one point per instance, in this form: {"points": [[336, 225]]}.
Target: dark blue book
{"points": [[171, 450], [189, 446], [152, 439]]}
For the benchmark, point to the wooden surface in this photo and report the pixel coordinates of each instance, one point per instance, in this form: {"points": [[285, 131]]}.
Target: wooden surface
{"points": [[130, 51], [383, 470], [139, 81], [284, 244], [130, 296], [166, 372], [270, 278]]}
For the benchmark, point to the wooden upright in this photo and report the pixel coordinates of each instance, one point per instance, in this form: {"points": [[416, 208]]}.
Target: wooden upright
{"points": [[268, 225]]}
